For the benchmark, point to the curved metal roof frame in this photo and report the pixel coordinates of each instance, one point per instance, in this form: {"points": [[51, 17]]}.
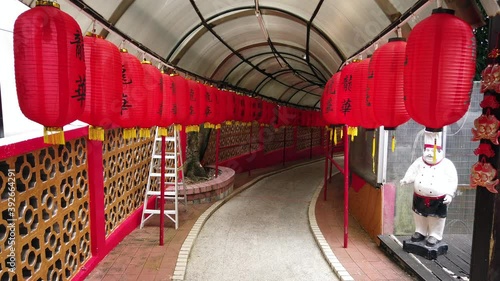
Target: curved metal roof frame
{"points": [[311, 40]]}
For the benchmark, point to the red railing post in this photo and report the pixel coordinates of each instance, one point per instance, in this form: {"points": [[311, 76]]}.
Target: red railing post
{"points": [[346, 186], [96, 194], [217, 145]]}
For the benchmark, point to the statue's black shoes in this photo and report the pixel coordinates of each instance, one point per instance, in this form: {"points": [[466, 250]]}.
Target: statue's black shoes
{"points": [[416, 237], [431, 241]]}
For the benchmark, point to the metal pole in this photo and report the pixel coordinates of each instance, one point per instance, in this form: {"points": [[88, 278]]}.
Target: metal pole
{"points": [[331, 156], [250, 151], [326, 145], [284, 146], [346, 186], [217, 144], [162, 189]]}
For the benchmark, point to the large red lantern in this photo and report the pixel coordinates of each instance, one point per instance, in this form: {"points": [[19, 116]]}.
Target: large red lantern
{"points": [[359, 88], [180, 93], [196, 105], [222, 107], [385, 84], [440, 65], [345, 108], [211, 111], [49, 68], [248, 115], [104, 85], [330, 101], [153, 95], [168, 99], [133, 102]]}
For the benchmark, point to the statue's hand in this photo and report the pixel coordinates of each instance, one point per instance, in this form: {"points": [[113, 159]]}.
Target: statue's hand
{"points": [[447, 199]]}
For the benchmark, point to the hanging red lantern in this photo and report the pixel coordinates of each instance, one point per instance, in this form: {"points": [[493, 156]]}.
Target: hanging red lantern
{"points": [[211, 111], [330, 101], [180, 93], [385, 84], [249, 107], [222, 107], [104, 85], [153, 95], [133, 102], [360, 103], [168, 98], [257, 111], [440, 66], [345, 107], [196, 105], [239, 108], [50, 68]]}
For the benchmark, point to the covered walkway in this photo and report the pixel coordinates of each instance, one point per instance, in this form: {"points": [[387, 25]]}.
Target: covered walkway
{"points": [[262, 233]]}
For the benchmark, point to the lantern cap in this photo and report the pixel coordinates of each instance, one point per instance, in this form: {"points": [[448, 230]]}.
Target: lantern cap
{"points": [[443, 11], [91, 34], [146, 62], [397, 39], [48, 3], [123, 50], [432, 138]]}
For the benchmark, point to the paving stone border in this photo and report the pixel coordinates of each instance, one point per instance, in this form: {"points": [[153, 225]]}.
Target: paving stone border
{"points": [[327, 252]]}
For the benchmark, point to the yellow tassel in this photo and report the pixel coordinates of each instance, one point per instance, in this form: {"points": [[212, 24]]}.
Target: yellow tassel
{"points": [[53, 135], [229, 123], [144, 133], [373, 152], [434, 156], [96, 133], [393, 143], [218, 126], [342, 133], [335, 141], [129, 133], [162, 132]]}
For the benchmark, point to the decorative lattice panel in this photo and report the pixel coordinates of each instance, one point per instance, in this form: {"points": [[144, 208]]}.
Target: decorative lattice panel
{"points": [[44, 229], [234, 141], [126, 170]]}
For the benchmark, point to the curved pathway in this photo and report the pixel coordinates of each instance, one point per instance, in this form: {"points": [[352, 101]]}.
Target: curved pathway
{"points": [[263, 233]]}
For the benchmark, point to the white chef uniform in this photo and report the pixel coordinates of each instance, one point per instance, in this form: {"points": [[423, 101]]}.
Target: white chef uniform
{"points": [[435, 184]]}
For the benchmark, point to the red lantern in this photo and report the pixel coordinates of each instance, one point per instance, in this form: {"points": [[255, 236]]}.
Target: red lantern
{"points": [[211, 111], [361, 105], [104, 85], [385, 84], [330, 101], [153, 95], [348, 112], [49, 68], [239, 108], [168, 99], [222, 107], [196, 106], [248, 115], [180, 92], [133, 102], [440, 65]]}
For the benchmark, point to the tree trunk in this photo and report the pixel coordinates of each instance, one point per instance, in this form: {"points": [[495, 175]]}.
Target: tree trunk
{"points": [[193, 169]]}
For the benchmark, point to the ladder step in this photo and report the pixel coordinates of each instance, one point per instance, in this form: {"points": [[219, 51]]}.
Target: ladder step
{"points": [[167, 156], [157, 212], [170, 139], [168, 175]]}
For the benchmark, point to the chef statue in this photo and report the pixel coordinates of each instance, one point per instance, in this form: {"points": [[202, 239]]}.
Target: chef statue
{"points": [[435, 182]]}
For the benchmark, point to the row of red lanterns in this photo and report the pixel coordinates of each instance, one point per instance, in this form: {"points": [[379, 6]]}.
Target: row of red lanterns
{"points": [[428, 79], [62, 76]]}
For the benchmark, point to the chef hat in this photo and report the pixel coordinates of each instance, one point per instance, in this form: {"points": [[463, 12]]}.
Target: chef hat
{"points": [[432, 138]]}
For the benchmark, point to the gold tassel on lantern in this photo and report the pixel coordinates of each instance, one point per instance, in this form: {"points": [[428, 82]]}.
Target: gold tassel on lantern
{"points": [[129, 133], [162, 132], [341, 133], [53, 135], [373, 152], [393, 143], [334, 136], [96, 133], [144, 133], [218, 126]]}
